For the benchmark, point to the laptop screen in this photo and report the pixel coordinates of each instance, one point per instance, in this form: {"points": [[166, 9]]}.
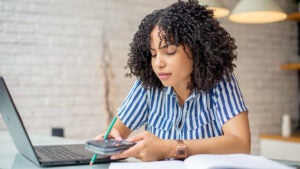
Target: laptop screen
{"points": [[14, 123]]}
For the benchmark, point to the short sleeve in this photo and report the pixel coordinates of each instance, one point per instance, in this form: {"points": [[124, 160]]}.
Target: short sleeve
{"points": [[228, 99], [134, 109]]}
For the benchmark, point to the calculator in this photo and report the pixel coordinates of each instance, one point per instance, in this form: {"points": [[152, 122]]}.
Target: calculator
{"points": [[108, 147]]}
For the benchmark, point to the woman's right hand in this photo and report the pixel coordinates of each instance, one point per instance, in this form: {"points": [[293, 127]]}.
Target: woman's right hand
{"points": [[114, 134]]}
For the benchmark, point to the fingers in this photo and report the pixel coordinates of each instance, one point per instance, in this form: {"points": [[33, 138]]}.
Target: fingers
{"points": [[127, 153], [134, 151], [99, 137], [119, 156], [113, 134], [147, 148], [116, 135]]}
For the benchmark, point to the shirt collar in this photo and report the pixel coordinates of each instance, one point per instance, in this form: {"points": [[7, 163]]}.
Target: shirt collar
{"points": [[170, 91]]}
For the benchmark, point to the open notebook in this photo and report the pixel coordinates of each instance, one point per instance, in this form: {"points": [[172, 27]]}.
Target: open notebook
{"points": [[230, 161]]}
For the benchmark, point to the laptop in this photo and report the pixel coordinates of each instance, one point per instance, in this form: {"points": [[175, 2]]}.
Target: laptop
{"points": [[46, 155]]}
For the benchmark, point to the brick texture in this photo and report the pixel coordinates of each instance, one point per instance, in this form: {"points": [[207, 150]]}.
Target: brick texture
{"points": [[53, 55]]}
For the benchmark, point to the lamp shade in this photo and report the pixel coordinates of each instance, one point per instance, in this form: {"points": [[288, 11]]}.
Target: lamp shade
{"points": [[257, 11], [215, 5]]}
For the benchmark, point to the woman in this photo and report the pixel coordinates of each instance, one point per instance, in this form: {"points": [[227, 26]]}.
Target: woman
{"points": [[186, 93]]}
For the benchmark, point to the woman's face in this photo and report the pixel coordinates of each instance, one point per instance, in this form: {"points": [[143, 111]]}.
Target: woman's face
{"points": [[172, 64]]}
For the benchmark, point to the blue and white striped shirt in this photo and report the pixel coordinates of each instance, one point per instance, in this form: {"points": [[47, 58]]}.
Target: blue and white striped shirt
{"points": [[201, 116]]}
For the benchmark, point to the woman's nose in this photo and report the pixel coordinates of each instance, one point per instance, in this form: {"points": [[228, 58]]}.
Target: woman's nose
{"points": [[159, 61]]}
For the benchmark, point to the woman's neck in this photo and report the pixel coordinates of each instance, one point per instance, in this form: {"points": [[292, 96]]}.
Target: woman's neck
{"points": [[182, 95]]}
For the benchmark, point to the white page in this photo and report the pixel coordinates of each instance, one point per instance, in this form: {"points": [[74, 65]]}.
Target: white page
{"points": [[238, 161], [148, 165], [205, 161]]}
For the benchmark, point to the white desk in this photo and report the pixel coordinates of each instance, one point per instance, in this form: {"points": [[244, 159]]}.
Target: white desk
{"points": [[10, 158], [283, 149]]}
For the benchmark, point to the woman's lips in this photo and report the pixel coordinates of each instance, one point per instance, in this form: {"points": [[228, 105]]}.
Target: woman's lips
{"points": [[163, 76]]}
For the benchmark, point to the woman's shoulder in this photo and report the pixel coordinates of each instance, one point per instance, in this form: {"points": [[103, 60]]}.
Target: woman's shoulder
{"points": [[227, 82], [226, 79]]}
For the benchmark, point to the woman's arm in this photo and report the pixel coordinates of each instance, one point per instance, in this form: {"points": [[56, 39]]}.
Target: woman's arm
{"points": [[236, 139], [123, 130]]}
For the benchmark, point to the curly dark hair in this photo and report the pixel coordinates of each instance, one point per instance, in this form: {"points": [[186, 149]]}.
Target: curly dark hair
{"points": [[191, 25]]}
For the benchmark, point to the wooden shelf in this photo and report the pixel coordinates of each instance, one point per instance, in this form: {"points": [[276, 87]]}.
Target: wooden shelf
{"points": [[293, 138], [290, 66], [281, 148], [294, 16]]}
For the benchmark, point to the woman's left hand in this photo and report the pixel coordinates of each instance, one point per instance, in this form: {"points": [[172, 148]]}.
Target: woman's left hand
{"points": [[148, 148]]}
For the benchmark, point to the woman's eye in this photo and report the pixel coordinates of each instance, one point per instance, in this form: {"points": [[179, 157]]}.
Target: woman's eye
{"points": [[171, 53], [171, 50], [153, 55]]}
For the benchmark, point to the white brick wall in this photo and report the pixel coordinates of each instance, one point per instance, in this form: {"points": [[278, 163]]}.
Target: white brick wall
{"points": [[269, 91], [50, 53]]}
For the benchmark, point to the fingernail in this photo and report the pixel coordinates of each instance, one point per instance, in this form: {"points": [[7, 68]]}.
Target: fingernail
{"points": [[113, 158]]}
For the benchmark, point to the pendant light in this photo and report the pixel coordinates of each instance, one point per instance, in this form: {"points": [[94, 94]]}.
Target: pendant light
{"points": [[257, 11], [215, 5]]}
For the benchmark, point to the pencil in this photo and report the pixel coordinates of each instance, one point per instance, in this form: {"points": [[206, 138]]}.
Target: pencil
{"points": [[93, 159], [112, 123]]}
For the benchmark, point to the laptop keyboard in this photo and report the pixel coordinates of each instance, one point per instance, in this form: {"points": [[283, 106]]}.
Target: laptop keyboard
{"points": [[58, 152]]}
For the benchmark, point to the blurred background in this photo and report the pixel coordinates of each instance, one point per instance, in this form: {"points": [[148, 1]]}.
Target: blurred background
{"points": [[63, 62]]}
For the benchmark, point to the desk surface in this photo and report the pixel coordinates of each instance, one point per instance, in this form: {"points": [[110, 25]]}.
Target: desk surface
{"points": [[10, 158]]}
